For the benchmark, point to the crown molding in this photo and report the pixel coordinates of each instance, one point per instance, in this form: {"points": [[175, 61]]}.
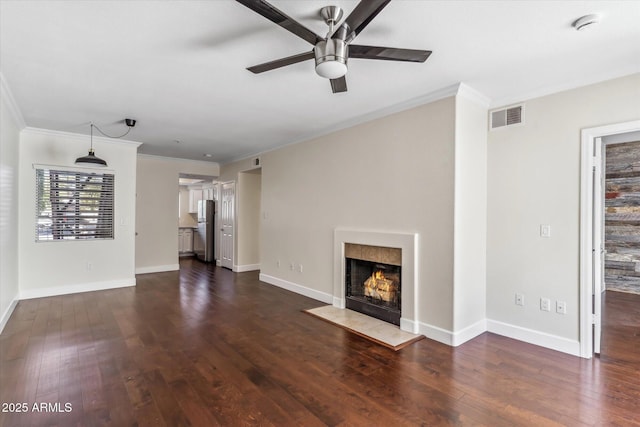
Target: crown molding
{"points": [[575, 83], [7, 95], [79, 137], [473, 95], [396, 108], [428, 98], [177, 159]]}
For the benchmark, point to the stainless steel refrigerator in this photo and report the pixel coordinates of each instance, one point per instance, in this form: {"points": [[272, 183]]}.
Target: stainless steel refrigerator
{"points": [[204, 239]]}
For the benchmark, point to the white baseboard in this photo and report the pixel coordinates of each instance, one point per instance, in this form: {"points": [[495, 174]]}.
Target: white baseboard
{"points": [[298, 289], [74, 289], [447, 337], [246, 267], [7, 313], [338, 303], [409, 326], [469, 333], [531, 336], [158, 268], [435, 333]]}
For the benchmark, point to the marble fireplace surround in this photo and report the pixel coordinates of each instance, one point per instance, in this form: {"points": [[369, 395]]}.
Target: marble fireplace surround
{"points": [[408, 242]]}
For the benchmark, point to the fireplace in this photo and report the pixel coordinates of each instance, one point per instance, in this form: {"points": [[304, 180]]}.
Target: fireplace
{"points": [[380, 247], [373, 281]]}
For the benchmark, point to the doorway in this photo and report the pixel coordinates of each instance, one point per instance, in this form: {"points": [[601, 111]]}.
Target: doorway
{"points": [[195, 238], [592, 232]]}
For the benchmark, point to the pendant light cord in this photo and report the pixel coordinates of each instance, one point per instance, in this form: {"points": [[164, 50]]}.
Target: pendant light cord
{"points": [[109, 136]]}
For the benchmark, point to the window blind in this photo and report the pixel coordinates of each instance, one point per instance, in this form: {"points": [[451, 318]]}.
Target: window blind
{"points": [[73, 205]]}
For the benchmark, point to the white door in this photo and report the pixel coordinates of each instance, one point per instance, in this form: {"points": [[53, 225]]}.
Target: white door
{"points": [[598, 242], [217, 225], [227, 223]]}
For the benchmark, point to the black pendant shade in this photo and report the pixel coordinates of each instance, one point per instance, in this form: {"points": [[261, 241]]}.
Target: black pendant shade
{"points": [[90, 159]]}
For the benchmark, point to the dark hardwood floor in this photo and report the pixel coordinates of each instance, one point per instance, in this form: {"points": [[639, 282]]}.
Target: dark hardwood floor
{"points": [[207, 347]]}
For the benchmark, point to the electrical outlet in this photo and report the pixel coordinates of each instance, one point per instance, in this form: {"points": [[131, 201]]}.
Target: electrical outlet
{"points": [[300, 268], [519, 299], [278, 263], [561, 307], [545, 304], [292, 266], [89, 266]]}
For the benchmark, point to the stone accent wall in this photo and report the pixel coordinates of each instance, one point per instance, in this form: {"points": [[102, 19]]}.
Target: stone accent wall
{"points": [[622, 217], [391, 256]]}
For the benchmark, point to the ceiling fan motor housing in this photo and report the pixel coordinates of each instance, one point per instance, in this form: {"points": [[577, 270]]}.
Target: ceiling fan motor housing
{"points": [[331, 58]]}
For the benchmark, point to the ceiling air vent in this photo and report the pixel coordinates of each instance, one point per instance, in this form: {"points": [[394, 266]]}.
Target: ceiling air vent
{"points": [[507, 117]]}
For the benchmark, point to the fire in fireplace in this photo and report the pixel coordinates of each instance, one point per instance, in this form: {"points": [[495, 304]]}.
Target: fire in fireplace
{"points": [[380, 288], [373, 288]]}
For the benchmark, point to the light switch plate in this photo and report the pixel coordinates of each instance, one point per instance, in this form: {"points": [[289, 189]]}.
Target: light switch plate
{"points": [[545, 304], [545, 230]]}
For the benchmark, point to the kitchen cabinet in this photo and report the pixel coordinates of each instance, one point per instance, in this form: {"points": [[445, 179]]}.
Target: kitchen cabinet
{"points": [[188, 240], [185, 240], [208, 193], [180, 240], [204, 192], [195, 195]]}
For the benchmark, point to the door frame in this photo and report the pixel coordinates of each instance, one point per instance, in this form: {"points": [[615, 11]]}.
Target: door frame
{"points": [[589, 136]]}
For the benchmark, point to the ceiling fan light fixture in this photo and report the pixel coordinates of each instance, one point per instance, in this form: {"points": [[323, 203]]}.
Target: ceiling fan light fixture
{"points": [[332, 51], [331, 58], [331, 69]]}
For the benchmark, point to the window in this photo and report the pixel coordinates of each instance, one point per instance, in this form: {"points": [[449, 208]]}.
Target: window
{"points": [[74, 205]]}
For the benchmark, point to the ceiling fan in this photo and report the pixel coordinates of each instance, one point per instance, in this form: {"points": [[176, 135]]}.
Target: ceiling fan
{"points": [[332, 52]]}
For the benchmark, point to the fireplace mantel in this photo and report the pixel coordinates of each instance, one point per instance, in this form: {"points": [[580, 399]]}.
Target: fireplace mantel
{"points": [[408, 242]]}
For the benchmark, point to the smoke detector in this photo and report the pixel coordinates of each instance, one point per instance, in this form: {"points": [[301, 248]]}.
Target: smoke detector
{"points": [[585, 22]]}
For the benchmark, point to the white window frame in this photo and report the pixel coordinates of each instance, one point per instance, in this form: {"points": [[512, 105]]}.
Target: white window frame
{"points": [[77, 205]]}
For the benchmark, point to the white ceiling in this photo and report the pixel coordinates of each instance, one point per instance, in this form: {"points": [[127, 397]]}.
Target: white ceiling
{"points": [[178, 67]]}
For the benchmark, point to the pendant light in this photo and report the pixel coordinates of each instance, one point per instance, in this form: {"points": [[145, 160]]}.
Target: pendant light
{"points": [[91, 159]]}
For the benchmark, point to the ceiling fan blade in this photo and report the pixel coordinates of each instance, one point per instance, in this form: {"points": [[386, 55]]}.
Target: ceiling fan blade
{"points": [[339, 84], [359, 18], [388, 53], [282, 62], [274, 15]]}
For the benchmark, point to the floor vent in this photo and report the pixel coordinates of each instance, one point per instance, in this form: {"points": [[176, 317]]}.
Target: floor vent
{"points": [[507, 117]]}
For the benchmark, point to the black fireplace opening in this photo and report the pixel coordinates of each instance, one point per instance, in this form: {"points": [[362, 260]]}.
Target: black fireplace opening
{"points": [[373, 288]]}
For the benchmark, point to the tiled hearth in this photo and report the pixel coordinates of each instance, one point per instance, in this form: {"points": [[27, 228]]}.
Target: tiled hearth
{"points": [[372, 329], [386, 247]]}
